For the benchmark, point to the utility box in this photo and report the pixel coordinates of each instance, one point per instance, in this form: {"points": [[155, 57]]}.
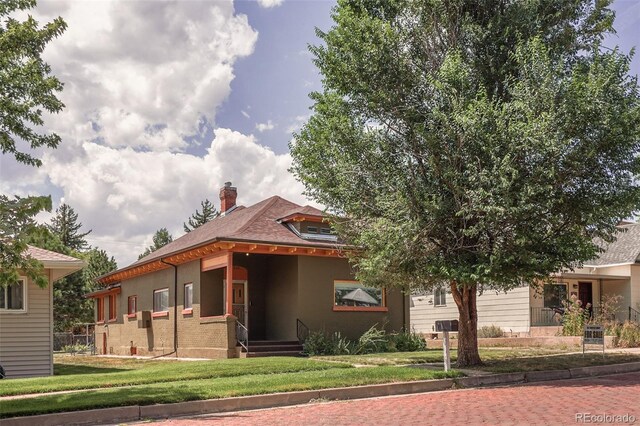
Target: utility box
{"points": [[447, 325], [145, 321]]}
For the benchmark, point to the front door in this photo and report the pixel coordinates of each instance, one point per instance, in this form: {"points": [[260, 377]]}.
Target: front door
{"points": [[239, 306], [585, 295]]}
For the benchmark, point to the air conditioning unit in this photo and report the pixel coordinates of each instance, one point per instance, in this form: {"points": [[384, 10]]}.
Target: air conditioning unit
{"points": [[145, 321]]}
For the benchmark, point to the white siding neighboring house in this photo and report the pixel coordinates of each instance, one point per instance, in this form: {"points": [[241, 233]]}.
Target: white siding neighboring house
{"points": [[26, 318], [530, 312]]}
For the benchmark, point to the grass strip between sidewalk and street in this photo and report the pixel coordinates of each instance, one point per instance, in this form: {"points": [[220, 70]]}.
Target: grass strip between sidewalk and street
{"points": [[191, 390]]}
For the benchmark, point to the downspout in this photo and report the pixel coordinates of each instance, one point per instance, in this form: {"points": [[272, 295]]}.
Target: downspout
{"points": [[175, 307]]}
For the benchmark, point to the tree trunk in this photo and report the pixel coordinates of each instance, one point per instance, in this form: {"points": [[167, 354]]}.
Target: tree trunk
{"points": [[465, 299]]}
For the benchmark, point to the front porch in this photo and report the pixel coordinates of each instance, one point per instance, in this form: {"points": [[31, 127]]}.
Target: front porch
{"points": [[593, 291]]}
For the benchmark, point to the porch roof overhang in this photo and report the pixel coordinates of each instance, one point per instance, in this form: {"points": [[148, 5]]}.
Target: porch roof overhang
{"points": [[226, 245], [112, 289], [582, 276]]}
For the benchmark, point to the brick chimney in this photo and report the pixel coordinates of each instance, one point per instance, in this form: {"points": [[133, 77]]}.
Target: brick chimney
{"points": [[228, 195]]}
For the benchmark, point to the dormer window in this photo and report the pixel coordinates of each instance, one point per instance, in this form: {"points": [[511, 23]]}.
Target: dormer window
{"points": [[325, 231], [312, 229]]}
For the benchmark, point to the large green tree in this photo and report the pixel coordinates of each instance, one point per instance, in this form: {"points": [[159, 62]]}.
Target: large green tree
{"points": [[471, 144], [26, 90], [198, 219], [66, 226], [16, 225], [161, 238]]}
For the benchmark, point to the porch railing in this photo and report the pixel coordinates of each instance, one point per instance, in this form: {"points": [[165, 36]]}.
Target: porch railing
{"points": [[634, 316], [242, 335], [302, 331], [546, 316], [553, 316]]}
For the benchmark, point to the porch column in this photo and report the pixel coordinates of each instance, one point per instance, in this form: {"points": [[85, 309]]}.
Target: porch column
{"points": [[229, 292]]}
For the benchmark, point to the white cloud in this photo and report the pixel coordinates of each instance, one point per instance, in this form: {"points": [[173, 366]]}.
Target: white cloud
{"points": [[297, 123], [139, 77], [143, 74], [265, 126], [270, 3], [125, 195]]}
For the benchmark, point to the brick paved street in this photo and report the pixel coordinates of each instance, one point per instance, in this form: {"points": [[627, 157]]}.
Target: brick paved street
{"points": [[545, 403]]}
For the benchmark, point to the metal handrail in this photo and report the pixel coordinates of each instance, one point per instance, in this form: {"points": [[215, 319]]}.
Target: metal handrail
{"points": [[242, 335], [302, 331], [634, 316]]}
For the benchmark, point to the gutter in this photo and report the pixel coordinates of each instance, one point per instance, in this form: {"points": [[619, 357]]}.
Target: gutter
{"points": [[175, 307]]}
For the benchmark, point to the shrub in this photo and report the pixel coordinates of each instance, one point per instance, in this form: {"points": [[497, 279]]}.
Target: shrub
{"points": [[629, 335], [490, 331], [76, 348], [373, 340], [321, 343], [609, 307], [574, 317], [406, 341]]}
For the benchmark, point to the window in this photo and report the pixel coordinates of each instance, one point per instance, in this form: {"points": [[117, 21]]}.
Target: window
{"points": [[112, 307], [13, 297], [161, 300], [188, 296], [312, 229], [325, 231], [554, 295], [132, 304], [440, 297], [100, 309], [353, 296]]}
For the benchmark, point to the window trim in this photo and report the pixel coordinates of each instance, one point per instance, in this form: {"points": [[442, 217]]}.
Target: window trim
{"points": [[187, 310], [113, 308], [443, 296], [163, 312], [336, 308], [100, 310], [133, 314], [25, 284], [566, 294]]}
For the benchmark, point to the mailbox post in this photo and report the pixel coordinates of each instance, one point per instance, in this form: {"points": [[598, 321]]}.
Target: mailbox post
{"points": [[445, 327]]}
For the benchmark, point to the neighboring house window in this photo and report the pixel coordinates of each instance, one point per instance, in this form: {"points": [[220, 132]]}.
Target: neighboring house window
{"points": [[161, 300], [112, 307], [100, 308], [132, 305], [353, 296], [554, 295], [14, 296], [188, 296], [440, 297]]}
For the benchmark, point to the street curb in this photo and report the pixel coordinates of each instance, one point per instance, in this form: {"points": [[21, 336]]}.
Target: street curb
{"points": [[98, 416], [210, 406]]}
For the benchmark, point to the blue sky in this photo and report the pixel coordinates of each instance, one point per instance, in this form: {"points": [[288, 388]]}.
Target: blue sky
{"points": [[141, 78]]}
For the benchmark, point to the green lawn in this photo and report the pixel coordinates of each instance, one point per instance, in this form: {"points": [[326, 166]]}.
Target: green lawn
{"points": [[227, 378], [82, 372], [495, 360], [114, 382]]}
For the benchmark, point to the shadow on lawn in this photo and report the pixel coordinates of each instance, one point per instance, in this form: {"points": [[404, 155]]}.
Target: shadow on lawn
{"points": [[70, 369]]}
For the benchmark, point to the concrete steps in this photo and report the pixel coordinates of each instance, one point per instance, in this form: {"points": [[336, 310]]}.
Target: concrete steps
{"points": [[261, 348]]}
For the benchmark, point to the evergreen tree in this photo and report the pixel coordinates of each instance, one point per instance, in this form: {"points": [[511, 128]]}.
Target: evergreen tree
{"points": [[161, 238], [66, 226], [198, 219]]}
